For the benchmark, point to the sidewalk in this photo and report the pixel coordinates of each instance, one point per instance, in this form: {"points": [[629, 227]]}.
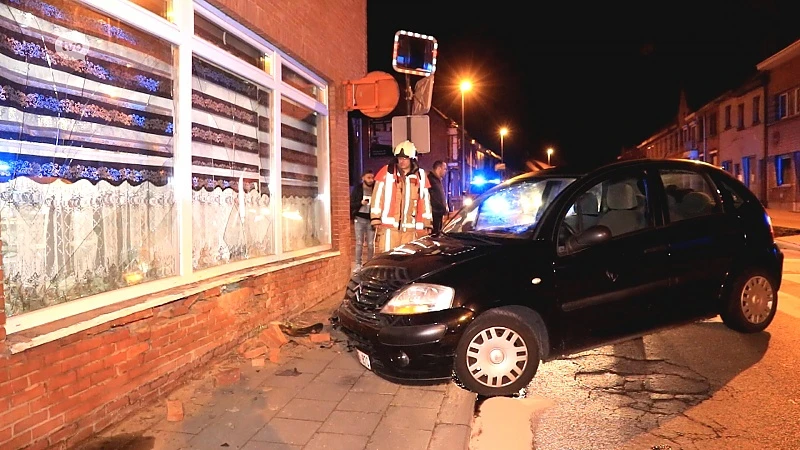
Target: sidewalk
{"points": [[786, 219], [314, 398]]}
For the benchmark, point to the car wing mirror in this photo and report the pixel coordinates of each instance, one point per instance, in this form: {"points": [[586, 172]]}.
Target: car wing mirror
{"points": [[588, 238]]}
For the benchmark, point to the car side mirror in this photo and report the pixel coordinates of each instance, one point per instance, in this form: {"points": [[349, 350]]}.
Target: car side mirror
{"points": [[588, 238]]}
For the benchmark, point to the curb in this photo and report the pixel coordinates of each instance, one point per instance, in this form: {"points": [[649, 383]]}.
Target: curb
{"points": [[455, 419], [787, 245]]}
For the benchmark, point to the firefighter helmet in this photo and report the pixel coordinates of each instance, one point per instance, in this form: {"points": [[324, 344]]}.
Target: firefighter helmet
{"points": [[406, 149]]}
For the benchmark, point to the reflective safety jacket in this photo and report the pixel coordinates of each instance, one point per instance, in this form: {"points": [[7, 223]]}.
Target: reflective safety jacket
{"points": [[401, 202]]}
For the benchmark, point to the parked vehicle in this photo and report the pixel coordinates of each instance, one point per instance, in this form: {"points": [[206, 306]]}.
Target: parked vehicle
{"points": [[560, 261]]}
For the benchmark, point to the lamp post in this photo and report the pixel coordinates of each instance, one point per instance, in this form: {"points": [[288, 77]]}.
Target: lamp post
{"points": [[503, 133], [549, 154], [466, 85]]}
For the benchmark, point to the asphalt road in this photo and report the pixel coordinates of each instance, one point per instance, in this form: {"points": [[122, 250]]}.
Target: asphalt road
{"points": [[699, 386]]}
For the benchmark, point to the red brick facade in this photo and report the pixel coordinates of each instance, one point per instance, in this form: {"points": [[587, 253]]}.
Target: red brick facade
{"points": [[783, 135], [59, 393]]}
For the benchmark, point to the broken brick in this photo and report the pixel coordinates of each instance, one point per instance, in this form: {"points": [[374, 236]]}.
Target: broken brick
{"points": [[254, 352], [258, 362], [228, 377], [320, 338], [275, 355], [174, 411], [273, 336]]}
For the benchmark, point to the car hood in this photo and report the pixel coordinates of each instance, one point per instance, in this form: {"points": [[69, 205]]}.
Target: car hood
{"points": [[424, 256]]}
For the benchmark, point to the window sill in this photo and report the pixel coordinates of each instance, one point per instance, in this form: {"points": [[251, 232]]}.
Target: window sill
{"points": [[38, 335]]}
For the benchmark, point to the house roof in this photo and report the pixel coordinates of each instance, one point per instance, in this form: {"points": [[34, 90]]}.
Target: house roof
{"points": [[781, 57]]}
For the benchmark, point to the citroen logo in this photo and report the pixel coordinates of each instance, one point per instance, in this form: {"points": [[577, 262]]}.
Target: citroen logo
{"points": [[611, 276]]}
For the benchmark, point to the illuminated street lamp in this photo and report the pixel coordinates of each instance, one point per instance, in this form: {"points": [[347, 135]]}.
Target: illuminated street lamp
{"points": [[466, 85], [503, 133], [549, 154]]}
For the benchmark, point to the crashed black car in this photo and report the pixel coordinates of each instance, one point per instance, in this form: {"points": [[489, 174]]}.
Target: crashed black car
{"points": [[559, 261]]}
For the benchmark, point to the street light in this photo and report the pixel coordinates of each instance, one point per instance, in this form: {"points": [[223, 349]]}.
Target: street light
{"points": [[549, 154], [503, 133], [466, 85]]}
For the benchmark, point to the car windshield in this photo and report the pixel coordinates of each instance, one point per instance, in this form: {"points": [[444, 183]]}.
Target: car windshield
{"points": [[508, 211]]}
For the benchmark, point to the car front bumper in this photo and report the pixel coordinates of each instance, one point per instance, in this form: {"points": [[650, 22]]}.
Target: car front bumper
{"points": [[418, 347]]}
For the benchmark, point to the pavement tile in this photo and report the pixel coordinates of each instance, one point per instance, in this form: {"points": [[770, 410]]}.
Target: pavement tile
{"points": [[351, 422], [276, 398], [409, 418], [449, 437], [321, 354], [458, 407], [364, 402], [287, 379], [287, 431], [231, 429], [412, 396], [324, 391], [339, 376], [347, 361], [193, 424], [254, 445], [304, 365], [305, 409], [369, 382], [326, 441], [391, 438], [159, 440]]}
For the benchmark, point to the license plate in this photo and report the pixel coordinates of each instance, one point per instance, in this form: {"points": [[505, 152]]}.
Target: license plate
{"points": [[363, 358]]}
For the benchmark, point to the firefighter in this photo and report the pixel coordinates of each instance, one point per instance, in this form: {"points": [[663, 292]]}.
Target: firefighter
{"points": [[401, 207]]}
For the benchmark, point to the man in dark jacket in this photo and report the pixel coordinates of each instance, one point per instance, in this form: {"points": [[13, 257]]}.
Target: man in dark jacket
{"points": [[360, 201], [438, 199]]}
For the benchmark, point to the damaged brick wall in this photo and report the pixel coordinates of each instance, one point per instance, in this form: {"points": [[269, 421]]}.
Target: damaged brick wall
{"points": [[60, 393]]}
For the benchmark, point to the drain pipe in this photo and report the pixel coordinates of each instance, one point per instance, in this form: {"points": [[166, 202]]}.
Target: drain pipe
{"points": [[765, 143]]}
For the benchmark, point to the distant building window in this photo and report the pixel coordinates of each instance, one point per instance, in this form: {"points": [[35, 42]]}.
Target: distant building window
{"points": [[727, 117], [726, 166], [712, 125], [783, 170], [740, 116], [781, 106], [701, 128], [756, 110]]}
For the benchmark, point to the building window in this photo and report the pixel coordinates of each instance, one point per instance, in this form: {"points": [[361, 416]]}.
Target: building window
{"points": [[749, 176], [783, 170], [781, 106], [740, 116], [206, 29], [231, 220], [728, 117], [88, 205], [756, 110], [727, 166], [712, 125]]}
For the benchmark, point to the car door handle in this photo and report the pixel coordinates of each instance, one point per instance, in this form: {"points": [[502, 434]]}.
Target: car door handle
{"points": [[656, 249]]}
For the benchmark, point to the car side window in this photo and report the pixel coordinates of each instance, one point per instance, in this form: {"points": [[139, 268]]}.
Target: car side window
{"points": [[619, 204], [689, 195]]}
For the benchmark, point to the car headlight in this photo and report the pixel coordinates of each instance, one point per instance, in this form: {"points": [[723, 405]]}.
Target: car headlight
{"points": [[420, 298]]}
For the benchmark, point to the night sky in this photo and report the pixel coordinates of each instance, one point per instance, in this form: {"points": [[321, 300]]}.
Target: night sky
{"points": [[584, 77]]}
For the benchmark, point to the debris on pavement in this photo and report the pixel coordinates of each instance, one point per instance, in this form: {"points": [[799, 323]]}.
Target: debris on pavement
{"points": [[174, 410], [228, 376], [296, 331]]}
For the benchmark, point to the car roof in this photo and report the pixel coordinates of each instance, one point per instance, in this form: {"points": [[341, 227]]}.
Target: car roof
{"points": [[578, 170]]}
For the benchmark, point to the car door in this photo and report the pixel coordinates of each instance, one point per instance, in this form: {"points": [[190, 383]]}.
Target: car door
{"points": [[703, 240], [606, 291]]}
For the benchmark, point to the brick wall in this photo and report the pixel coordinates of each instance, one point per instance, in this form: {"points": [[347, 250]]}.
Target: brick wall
{"points": [[60, 393], [783, 136]]}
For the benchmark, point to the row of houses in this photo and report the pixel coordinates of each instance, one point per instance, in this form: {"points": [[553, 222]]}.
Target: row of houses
{"points": [[752, 131]]}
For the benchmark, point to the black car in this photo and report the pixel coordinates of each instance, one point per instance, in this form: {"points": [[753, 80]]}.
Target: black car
{"points": [[555, 262]]}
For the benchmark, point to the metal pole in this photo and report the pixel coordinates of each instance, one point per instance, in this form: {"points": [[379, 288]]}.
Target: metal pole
{"points": [[548, 158], [463, 148], [501, 148]]}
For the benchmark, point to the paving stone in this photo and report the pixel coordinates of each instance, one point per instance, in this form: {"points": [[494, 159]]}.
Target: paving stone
{"points": [[275, 398], [369, 382], [305, 409], [347, 361], [364, 402], [288, 381], [339, 376], [324, 391], [392, 438], [409, 418], [450, 437], [458, 407], [161, 440], [350, 422], [325, 441], [408, 396], [321, 354], [287, 431], [253, 445], [233, 428], [305, 365]]}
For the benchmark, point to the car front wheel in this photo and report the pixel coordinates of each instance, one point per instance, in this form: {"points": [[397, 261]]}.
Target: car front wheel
{"points": [[498, 354], [751, 304]]}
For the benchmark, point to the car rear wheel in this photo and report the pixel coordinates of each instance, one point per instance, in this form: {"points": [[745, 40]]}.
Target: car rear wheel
{"points": [[498, 354], [752, 302]]}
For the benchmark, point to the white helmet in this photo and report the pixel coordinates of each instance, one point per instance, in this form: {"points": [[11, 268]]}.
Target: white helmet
{"points": [[406, 149]]}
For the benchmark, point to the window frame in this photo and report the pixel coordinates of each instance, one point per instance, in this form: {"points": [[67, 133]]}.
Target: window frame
{"points": [[180, 33]]}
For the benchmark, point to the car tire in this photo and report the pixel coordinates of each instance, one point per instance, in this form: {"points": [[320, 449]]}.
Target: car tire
{"points": [[751, 303], [505, 340]]}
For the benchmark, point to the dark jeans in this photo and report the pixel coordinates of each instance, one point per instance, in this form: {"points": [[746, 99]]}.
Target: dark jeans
{"points": [[437, 222]]}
